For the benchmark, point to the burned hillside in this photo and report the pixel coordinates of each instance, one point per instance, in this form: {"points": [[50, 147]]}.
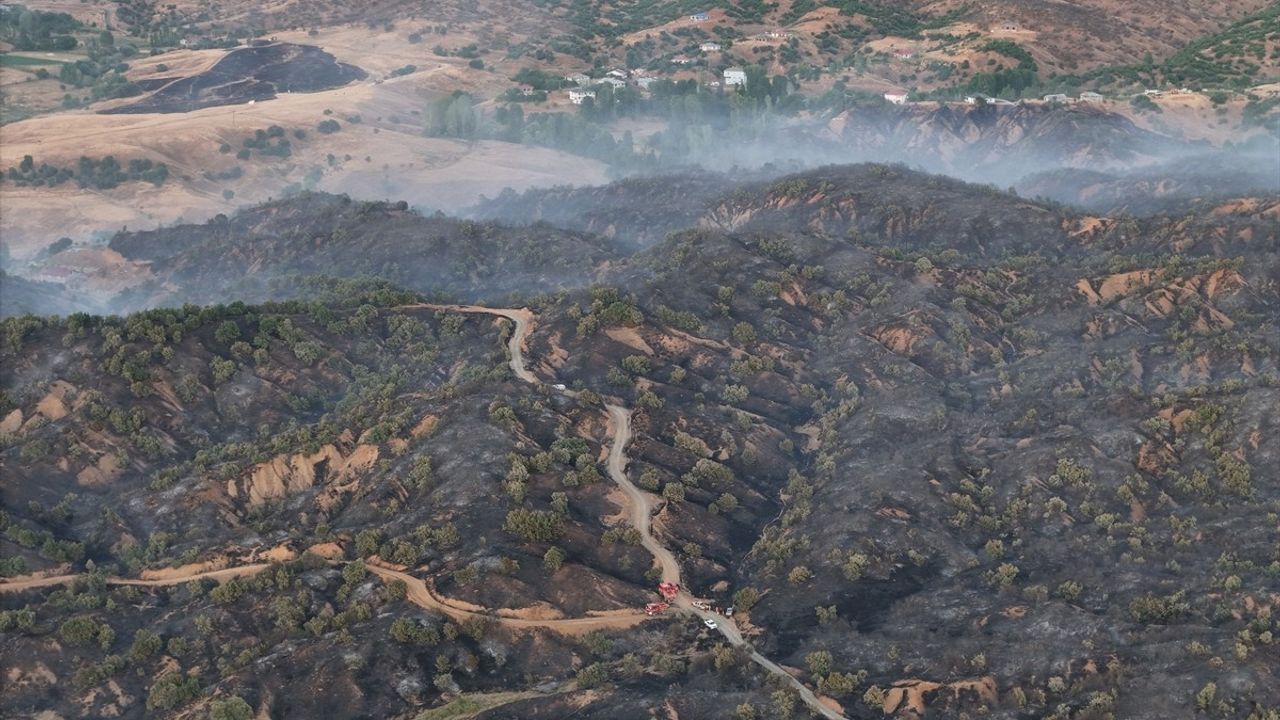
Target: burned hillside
{"points": [[248, 74], [944, 450]]}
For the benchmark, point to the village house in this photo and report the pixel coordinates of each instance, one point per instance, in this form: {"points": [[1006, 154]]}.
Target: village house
{"points": [[699, 16], [1153, 93], [613, 82], [896, 98], [579, 79], [1091, 97], [682, 59], [644, 81], [577, 96], [1057, 98], [527, 90], [904, 53], [619, 74], [1001, 102], [709, 47], [735, 76]]}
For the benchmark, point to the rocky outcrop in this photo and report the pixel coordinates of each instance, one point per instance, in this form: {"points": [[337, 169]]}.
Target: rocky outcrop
{"points": [[286, 475]]}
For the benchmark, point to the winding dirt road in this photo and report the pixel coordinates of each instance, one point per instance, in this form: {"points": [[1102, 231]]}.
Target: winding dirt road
{"points": [[641, 512], [221, 575]]}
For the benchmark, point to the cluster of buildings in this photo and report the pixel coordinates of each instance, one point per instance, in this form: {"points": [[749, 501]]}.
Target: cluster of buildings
{"points": [[616, 79], [901, 98], [1064, 98]]}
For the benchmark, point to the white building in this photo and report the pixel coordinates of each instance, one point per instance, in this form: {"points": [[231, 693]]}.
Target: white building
{"points": [[612, 81], [1056, 98], [644, 81], [1091, 97], [619, 74], [582, 79], [577, 96], [735, 76], [709, 47], [896, 98]]}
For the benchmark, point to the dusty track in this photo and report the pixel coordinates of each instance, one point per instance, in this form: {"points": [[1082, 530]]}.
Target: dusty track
{"points": [[641, 507], [641, 512], [30, 583]]}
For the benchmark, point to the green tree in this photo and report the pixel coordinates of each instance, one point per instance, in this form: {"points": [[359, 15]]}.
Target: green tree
{"points": [[227, 333], [78, 631], [553, 559], [534, 525], [819, 662], [172, 690], [232, 708], [746, 598]]}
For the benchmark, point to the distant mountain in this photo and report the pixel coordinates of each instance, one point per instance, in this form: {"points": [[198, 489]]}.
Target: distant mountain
{"points": [[1001, 143], [1166, 187]]}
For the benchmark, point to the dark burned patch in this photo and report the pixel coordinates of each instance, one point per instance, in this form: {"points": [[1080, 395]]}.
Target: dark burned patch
{"points": [[247, 74]]}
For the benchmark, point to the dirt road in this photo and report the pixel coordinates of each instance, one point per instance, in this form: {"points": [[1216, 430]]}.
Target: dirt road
{"points": [[522, 317], [640, 510], [420, 594], [222, 575]]}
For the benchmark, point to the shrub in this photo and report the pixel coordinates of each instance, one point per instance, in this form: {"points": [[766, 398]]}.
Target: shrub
{"points": [[233, 708], [172, 690], [534, 525], [553, 559]]}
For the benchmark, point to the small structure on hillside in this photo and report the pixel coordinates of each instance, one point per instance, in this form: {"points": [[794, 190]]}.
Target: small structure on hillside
{"points": [[527, 90], [904, 53], [613, 82], [1090, 96], [644, 81], [896, 98], [700, 16], [709, 47], [682, 59], [580, 79], [577, 97], [619, 74], [735, 76], [1057, 98]]}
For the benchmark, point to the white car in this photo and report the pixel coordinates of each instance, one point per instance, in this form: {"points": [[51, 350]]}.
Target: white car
{"points": [[710, 623], [560, 387]]}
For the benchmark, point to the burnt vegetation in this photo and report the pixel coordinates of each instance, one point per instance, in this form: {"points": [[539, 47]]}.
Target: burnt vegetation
{"points": [[944, 446]]}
